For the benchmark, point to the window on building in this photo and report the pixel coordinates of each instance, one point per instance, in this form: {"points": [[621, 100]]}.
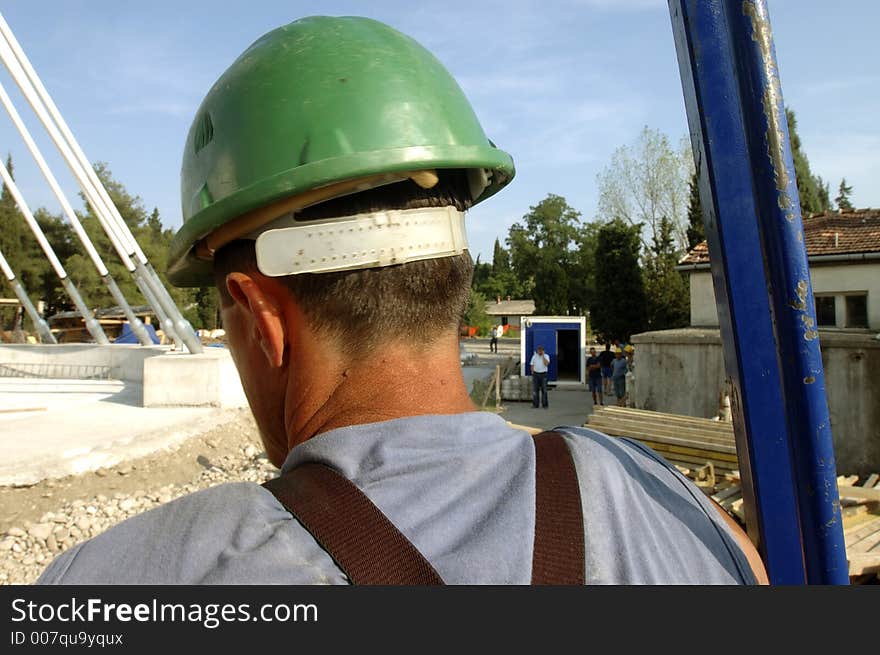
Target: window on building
{"points": [[857, 311], [825, 311]]}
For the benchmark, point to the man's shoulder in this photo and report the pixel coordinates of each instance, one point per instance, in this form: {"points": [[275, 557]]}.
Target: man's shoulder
{"points": [[217, 535], [635, 497]]}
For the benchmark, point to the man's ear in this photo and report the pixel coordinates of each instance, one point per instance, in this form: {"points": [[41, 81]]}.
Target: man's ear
{"points": [[265, 312]]}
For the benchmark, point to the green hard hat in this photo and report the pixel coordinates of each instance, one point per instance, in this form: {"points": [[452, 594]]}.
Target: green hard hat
{"points": [[314, 103]]}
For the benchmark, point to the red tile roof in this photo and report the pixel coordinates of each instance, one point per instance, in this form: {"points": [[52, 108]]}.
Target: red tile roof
{"points": [[831, 233]]}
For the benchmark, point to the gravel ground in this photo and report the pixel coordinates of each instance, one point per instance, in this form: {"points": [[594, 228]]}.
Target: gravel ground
{"points": [[41, 521]]}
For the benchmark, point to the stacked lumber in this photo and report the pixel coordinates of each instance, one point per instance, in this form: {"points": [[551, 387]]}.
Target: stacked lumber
{"points": [[863, 547], [861, 528], [685, 441], [694, 445], [860, 506]]}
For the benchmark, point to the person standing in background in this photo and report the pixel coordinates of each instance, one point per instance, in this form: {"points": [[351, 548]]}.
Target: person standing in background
{"points": [[605, 359], [493, 344], [618, 376], [540, 362], [594, 379]]}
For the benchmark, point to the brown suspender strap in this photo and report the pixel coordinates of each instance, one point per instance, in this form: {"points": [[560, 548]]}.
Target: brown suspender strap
{"points": [[559, 524], [371, 551], [356, 534]]}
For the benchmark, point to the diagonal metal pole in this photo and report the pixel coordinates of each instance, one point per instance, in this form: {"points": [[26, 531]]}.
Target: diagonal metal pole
{"points": [[762, 284], [139, 273], [92, 325], [38, 97], [40, 324], [135, 323]]}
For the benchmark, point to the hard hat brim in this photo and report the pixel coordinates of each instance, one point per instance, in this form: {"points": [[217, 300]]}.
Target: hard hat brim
{"points": [[187, 270]]}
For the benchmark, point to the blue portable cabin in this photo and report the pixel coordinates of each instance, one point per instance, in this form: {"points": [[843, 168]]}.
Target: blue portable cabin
{"points": [[563, 338]]}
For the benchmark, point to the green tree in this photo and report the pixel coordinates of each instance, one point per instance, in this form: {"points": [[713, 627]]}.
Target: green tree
{"points": [[843, 193], [618, 310], [497, 280], [482, 272], [148, 231], [475, 315], [812, 190], [582, 269], [21, 250], [155, 223], [696, 229], [666, 290], [542, 249], [207, 312]]}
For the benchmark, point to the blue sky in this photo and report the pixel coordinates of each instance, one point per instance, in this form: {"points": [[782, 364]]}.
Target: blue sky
{"points": [[558, 84]]}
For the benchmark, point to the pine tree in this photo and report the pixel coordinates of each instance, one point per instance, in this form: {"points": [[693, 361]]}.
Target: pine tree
{"points": [[812, 190], [666, 290], [696, 230], [618, 310], [843, 202], [155, 223]]}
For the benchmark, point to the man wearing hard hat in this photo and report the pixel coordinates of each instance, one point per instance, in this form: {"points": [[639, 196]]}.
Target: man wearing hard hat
{"points": [[324, 184]]}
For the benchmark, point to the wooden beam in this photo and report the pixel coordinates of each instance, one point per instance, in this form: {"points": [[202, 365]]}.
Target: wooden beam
{"points": [[862, 563], [648, 435], [847, 491], [661, 417], [866, 544]]}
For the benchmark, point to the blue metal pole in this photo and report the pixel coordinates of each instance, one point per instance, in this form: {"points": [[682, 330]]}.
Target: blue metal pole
{"points": [[762, 286]]}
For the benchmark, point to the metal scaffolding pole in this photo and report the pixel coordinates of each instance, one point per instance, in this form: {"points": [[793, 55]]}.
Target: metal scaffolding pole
{"points": [[136, 325], [141, 276], [762, 286], [39, 323], [38, 97], [92, 325]]}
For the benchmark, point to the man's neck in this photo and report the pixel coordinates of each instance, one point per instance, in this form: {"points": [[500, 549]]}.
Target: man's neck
{"points": [[397, 380]]}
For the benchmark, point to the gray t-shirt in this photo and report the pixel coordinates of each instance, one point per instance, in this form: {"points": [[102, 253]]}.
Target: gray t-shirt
{"points": [[460, 487]]}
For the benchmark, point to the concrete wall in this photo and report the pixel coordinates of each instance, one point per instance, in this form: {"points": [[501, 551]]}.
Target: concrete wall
{"points": [[703, 311], [837, 278], [682, 372], [176, 379], [126, 362], [169, 378]]}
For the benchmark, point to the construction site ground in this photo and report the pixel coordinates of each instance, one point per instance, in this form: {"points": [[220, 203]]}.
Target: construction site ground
{"points": [[85, 455]]}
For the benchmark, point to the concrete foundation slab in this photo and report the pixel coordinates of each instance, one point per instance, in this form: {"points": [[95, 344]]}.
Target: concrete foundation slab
{"points": [[54, 428]]}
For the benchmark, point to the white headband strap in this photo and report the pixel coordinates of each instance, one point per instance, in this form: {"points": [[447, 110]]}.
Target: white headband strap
{"points": [[362, 241]]}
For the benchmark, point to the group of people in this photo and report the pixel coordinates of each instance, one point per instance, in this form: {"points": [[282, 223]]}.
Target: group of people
{"points": [[606, 372]]}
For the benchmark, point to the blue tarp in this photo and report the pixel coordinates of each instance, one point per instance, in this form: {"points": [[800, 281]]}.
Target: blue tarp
{"points": [[127, 336]]}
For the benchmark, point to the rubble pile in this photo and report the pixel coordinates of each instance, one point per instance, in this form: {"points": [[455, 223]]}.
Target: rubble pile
{"points": [[26, 550]]}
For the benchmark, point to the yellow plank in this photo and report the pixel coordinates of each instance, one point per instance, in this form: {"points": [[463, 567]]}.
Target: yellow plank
{"points": [[699, 425], [673, 419], [604, 425], [860, 530], [847, 491], [866, 544], [644, 435], [862, 563], [693, 463], [706, 454]]}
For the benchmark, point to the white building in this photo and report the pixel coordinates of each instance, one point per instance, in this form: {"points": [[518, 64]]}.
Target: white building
{"points": [[508, 312], [843, 249]]}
